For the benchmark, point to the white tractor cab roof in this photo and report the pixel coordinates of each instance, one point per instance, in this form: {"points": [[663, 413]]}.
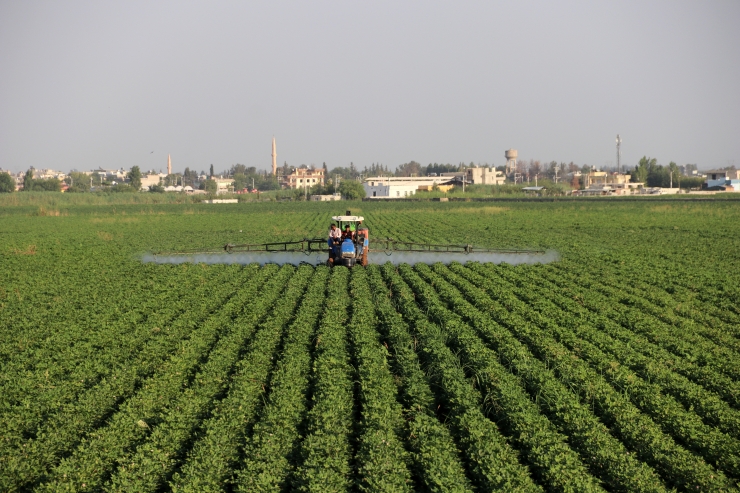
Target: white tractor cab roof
{"points": [[351, 221], [348, 219]]}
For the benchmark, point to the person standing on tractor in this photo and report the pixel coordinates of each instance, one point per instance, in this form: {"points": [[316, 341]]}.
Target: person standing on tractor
{"points": [[335, 236]]}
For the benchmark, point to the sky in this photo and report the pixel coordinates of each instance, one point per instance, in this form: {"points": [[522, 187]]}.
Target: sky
{"points": [[85, 84]]}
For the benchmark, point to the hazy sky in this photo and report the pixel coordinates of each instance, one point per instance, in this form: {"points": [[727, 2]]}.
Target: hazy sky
{"points": [[88, 84]]}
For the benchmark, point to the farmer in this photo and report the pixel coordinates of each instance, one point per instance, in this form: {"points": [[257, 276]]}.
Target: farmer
{"points": [[335, 235], [348, 233]]}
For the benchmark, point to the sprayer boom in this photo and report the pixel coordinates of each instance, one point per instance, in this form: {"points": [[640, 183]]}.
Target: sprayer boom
{"points": [[386, 245]]}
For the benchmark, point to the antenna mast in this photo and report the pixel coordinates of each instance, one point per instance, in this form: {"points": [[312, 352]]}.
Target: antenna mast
{"points": [[619, 154]]}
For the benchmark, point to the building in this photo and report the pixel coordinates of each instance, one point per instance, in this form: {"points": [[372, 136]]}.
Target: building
{"points": [[303, 178], [624, 188], [224, 185], [400, 186], [151, 180], [395, 190], [722, 179], [47, 174], [430, 188], [484, 176], [326, 198]]}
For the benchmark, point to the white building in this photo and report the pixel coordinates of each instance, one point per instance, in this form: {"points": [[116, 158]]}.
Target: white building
{"points": [[326, 198], [484, 176], [399, 186], [392, 190]]}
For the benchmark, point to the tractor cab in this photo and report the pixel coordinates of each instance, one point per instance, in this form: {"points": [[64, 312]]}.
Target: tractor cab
{"points": [[351, 249]]}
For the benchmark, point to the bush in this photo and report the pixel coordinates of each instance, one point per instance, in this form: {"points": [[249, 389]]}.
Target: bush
{"points": [[352, 190], [7, 184]]}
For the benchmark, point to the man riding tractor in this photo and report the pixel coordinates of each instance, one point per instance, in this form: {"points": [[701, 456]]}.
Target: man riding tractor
{"points": [[351, 245]]}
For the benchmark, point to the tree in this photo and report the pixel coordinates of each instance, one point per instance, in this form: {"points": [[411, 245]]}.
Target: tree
{"points": [[210, 186], [351, 190], [28, 181], [78, 182], [643, 169], [268, 182], [189, 177], [675, 175], [409, 169], [135, 177], [238, 169], [438, 169], [211, 175], [535, 168], [7, 184]]}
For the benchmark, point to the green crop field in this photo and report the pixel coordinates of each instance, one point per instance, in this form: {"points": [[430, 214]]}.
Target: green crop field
{"points": [[616, 368]]}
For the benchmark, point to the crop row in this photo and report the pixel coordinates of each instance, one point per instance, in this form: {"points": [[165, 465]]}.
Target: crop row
{"points": [[382, 461], [436, 460], [715, 323], [640, 433], [493, 462], [699, 292], [605, 456], [92, 462], [650, 363], [244, 371], [704, 369], [43, 303], [326, 450], [270, 449], [78, 372], [64, 429], [700, 338]]}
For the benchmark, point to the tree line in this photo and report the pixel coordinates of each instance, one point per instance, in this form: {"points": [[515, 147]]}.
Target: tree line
{"points": [[647, 171]]}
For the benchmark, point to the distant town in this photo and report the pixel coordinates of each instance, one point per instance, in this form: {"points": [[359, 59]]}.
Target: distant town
{"points": [[377, 181]]}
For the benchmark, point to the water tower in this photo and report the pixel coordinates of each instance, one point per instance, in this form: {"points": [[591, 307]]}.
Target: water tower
{"points": [[511, 156]]}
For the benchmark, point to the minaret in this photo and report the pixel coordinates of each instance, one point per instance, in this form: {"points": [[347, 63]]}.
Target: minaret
{"points": [[274, 158], [169, 165]]}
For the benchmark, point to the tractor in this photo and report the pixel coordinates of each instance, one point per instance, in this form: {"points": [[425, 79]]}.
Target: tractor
{"points": [[352, 248]]}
